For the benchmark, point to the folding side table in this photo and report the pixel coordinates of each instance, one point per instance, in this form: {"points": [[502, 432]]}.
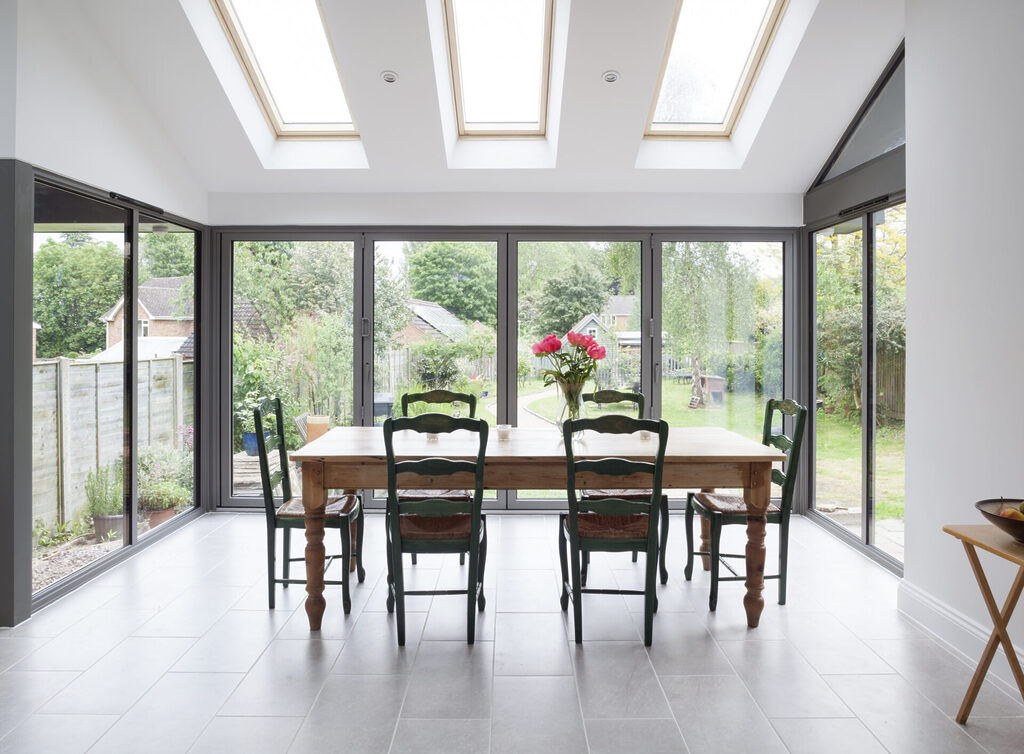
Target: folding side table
{"points": [[991, 539]]}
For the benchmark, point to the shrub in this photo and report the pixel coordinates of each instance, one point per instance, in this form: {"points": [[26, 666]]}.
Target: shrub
{"points": [[104, 490], [164, 494]]}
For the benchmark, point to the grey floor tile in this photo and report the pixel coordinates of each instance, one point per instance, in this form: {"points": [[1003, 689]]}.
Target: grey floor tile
{"points": [[57, 734], [530, 644], [843, 735], [999, 735], [16, 648], [942, 677], [451, 680], [171, 715], [285, 680], [120, 678], [698, 702], [682, 645], [24, 692], [605, 618], [420, 577], [829, 646], [615, 679], [447, 618], [650, 736], [533, 714], [192, 613], [56, 618], [353, 713], [527, 591], [449, 736], [781, 681], [86, 641], [900, 717], [253, 735], [233, 644], [372, 646]]}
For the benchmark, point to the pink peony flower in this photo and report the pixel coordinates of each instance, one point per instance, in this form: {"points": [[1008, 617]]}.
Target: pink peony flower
{"points": [[548, 344], [575, 338], [595, 351]]}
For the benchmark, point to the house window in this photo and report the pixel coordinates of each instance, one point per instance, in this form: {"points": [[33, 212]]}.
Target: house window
{"points": [[142, 327], [592, 332]]}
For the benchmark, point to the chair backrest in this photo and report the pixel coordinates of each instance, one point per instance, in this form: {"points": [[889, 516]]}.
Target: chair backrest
{"points": [[270, 437], [439, 396], [434, 423], [300, 424], [790, 446], [616, 424], [617, 396]]}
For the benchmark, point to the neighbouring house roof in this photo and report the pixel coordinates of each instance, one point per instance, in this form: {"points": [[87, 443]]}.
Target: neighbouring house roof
{"points": [[148, 347], [248, 321], [629, 338], [188, 348], [161, 298], [591, 320], [619, 306], [435, 320]]}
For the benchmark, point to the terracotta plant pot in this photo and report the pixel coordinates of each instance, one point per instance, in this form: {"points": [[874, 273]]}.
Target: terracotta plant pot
{"points": [[158, 517], [103, 525]]}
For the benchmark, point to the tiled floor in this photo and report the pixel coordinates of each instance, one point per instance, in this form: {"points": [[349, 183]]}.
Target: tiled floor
{"points": [[175, 650]]}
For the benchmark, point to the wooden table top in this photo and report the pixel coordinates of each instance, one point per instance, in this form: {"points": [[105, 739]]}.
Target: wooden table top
{"points": [[685, 445], [989, 538]]}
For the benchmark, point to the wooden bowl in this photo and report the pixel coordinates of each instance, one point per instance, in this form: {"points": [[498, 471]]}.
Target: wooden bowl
{"points": [[990, 510]]}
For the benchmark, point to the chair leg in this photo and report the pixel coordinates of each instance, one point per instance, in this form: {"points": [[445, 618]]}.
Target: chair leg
{"points": [[688, 571], [287, 534], [634, 555], [664, 539], [650, 597], [783, 557], [705, 542], [564, 599], [271, 544], [584, 567], [577, 590], [462, 558], [360, 526], [715, 525], [346, 558], [414, 558], [388, 556], [398, 587], [481, 600]]}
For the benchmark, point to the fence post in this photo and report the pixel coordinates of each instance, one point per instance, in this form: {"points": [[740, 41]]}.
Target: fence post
{"points": [[178, 387], [63, 435]]}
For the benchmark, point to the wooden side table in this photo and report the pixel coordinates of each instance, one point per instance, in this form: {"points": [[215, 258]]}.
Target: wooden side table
{"points": [[991, 539]]}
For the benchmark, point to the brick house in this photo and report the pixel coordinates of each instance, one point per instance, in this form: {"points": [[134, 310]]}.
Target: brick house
{"points": [[164, 311]]}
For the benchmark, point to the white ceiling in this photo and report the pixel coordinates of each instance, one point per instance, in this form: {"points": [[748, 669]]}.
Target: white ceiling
{"points": [[825, 59]]}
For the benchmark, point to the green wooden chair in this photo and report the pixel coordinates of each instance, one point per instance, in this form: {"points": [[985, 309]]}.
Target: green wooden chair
{"points": [[722, 510], [610, 524], [435, 524], [438, 397], [601, 397], [341, 511]]}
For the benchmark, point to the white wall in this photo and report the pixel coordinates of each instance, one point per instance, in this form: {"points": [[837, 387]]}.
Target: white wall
{"points": [[482, 208], [965, 301], [78, 115]]}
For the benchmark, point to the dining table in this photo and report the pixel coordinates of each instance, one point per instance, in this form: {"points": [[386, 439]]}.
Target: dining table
{"points": [[704, 458]]}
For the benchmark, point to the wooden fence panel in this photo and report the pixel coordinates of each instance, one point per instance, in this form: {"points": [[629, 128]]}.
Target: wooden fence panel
{"points": [[45, 448]]}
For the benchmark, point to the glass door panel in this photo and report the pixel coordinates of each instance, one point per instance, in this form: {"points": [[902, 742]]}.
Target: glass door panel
{"points": [[79, 412], [839, 333], [435, 323], [890, 331], [291, 338], [165, 357], [590, 287]]}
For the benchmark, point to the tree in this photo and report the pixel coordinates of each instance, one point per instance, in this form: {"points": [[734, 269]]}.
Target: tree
{"points": [[167, 255], [74, 282], [569, 297], [462, 277]]}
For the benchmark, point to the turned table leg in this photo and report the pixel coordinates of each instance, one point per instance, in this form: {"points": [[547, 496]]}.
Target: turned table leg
{"points": [[757, 495], [314, 500]]}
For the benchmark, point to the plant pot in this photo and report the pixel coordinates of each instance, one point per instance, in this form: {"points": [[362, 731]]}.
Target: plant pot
{"points": [[103, 525], [249, 443], [156, 518]]}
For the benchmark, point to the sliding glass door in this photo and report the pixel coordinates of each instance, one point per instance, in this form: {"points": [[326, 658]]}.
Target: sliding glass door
{"points": [[860, 359]]}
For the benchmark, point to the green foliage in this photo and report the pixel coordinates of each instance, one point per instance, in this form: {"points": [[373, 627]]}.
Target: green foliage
{"points": [[568, 297], [434, 363], [60, 533], [462, 277], [168, 255], [159, 496], [318, 363], [104, 490], [166, 478], [259, 371], [74, 282]]}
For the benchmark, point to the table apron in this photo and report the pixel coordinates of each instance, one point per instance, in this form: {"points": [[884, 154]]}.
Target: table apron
{"points": [[540, 475]]}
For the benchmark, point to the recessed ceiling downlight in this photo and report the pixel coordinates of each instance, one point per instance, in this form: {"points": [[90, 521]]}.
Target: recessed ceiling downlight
{"points": [[389, 77], [610, 77]]}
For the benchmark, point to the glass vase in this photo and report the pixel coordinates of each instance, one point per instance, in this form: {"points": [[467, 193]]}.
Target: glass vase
{"points": [[572, 403]]}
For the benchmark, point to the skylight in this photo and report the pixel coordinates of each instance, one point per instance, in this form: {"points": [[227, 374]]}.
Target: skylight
{"points": [[499, 52], [287, 56], [715, 50]]}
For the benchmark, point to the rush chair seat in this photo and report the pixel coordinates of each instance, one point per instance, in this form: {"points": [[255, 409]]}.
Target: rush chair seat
{"points": [[637, 399], [340, 513], [722, 510], [437, 397], [610, 524], [435, 524]]}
